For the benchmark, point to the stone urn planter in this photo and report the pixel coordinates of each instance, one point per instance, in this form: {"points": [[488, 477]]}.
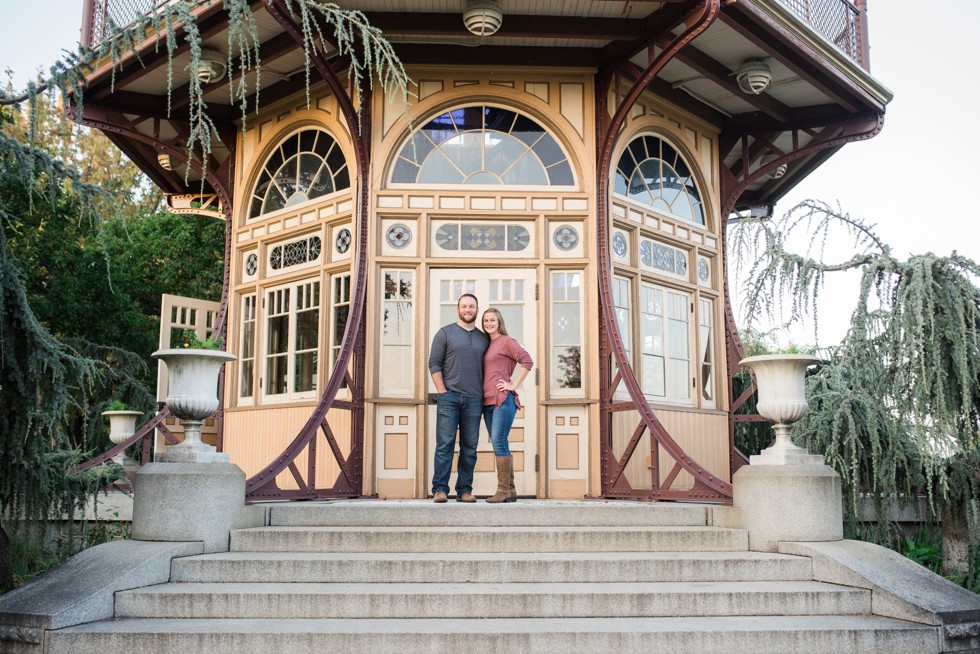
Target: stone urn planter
{"points": [[782, 400], [122, 425], [193, 396]]}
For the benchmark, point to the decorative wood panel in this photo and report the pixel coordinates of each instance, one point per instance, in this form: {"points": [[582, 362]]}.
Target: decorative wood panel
{"points": [[254, 437]]}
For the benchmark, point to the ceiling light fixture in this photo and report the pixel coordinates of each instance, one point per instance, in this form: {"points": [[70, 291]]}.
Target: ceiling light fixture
{"points": [[164, 160], [211, 68], [482, 17], [776, 172], [754, 77]]}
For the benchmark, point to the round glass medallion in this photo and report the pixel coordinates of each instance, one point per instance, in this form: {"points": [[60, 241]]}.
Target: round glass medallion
{"points": [[343, 241], [703, 271], [566, 237], [619, 244], [251, 264], [399, 236]]}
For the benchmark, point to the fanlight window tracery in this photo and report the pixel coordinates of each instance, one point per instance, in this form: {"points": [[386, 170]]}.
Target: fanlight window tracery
{"points": [[652, 172], [306, 165], [482, 144]]}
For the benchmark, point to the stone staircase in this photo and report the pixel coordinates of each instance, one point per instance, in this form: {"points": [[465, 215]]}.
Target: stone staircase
{"points": [[535, 576]]}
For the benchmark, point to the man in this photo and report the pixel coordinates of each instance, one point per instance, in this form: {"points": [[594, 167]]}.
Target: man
{"points": [[456, 366]]}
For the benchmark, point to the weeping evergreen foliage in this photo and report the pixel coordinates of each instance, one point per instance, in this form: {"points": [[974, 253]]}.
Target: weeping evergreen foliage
{"points": [[895, 408], [46, 384], [42, 381], [327, 29]]}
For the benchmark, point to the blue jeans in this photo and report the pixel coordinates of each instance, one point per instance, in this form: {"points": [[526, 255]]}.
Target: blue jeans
{"points": [[499, 422], [455, 411]]}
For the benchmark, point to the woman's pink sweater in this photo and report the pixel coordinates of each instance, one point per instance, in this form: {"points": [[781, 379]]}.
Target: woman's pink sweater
{"points": [[499, 364]]}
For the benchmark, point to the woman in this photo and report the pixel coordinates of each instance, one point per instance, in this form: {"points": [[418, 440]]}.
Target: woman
{"points": [[500, 402]]}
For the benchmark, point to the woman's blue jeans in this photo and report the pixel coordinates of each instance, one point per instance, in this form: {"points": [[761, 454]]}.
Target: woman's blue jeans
{"points": [[462, 412], [499, 421]]}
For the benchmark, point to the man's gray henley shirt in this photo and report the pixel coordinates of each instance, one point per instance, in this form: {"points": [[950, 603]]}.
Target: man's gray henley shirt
{"points": [[458, 355]]}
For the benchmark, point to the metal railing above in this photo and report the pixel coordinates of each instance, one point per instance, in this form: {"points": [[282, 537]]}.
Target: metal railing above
{"points": [[842, 22], [99, 16]]}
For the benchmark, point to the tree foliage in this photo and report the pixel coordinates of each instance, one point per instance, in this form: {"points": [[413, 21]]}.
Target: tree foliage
{"points": [[895, 408], [327, 30], [42, 380], [51, 227]]}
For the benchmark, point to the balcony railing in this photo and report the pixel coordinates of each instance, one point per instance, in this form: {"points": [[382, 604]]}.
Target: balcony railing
{"points": [[99, 16], [842, 22]]}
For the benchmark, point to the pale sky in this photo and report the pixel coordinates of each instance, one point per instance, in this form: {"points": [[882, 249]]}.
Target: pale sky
{"points": [[916, 180]]}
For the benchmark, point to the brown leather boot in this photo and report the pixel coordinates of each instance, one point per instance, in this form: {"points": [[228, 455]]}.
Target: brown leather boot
{"points": [[504, 467], [511, 488]]}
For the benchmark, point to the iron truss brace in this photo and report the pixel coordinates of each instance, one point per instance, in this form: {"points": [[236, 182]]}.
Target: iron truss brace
{"points": [[759, 144], [806, 139], [263, 484], [695, 19], [208, 204], [222, 180]]}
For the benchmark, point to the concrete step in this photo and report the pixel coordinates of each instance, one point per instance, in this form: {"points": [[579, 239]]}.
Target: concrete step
{"points": [[481, 567], [418, 513], [476, 600], [488, 539], [727, 635]]}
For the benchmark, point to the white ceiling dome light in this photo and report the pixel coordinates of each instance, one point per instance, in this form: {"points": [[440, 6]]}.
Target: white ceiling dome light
{"points": [[754, 77], [165, 161], [776, 172], [482, 17], [211, 67]]}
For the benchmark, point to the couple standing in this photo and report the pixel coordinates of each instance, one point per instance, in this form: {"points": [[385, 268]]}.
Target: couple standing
{"points": [[471, 370]]}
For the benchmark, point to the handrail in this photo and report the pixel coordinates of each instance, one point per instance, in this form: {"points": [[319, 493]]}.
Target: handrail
{"points": [[156, 422]]}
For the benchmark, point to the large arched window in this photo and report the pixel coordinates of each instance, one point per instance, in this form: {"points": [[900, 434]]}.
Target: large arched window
{"points": [[653, 173], [304, 166], [482, 144]]}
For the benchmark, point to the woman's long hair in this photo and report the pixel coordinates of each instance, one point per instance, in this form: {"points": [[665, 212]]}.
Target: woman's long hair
{"points": [[501, 327]]}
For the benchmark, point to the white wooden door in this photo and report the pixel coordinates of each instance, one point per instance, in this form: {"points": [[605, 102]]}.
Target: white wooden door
{"points": [[511, 291]]}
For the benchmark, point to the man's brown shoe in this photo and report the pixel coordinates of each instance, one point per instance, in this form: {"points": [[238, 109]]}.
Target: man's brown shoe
{"points": [[466, 497], [439, 497]]}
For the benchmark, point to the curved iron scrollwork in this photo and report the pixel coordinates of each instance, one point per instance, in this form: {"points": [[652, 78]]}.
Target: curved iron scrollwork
{"points": [[758, 144], [348, 483], [144, 434], [221, 181], [706, 485]]}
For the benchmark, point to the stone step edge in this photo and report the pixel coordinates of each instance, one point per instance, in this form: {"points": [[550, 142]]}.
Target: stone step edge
{"points": [[493, 626]]}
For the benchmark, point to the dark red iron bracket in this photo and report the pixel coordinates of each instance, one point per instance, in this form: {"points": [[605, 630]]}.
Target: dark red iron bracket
{"points": [[757, 143], [348, 483], [706, 486], [221, 180]]}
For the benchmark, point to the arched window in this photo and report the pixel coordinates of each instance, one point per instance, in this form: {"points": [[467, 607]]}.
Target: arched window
{"points": [[304, 166], [482, 144], [653, 173]]}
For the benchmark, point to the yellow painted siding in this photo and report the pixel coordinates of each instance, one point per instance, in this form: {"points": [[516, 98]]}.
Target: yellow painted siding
{"points": [[703, 436], [255, 437]]}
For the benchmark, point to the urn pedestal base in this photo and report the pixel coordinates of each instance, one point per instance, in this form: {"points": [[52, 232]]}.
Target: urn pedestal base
{"points": [[189, 502], [787, 503]]}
